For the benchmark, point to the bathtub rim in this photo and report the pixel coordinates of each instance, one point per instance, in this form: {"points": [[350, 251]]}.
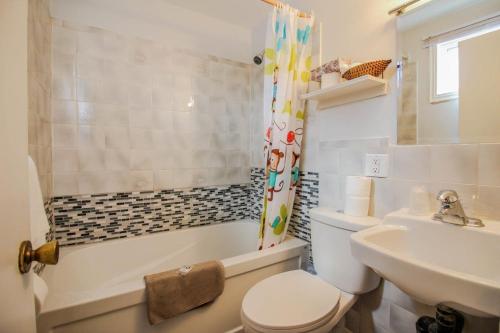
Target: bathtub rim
{"points": [[133, 293]]}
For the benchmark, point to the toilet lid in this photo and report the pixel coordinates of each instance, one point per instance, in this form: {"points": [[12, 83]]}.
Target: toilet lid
{"points": [[290, 300]]}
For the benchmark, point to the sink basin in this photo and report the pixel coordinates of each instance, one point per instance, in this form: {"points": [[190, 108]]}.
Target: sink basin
{"points": [[435, 262]]}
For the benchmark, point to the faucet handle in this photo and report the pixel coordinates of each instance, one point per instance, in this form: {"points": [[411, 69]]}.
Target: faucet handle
{"points": [[447, 196]]}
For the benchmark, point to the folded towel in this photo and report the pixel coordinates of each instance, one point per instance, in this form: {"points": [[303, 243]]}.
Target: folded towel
{"points": [[177, 291]]}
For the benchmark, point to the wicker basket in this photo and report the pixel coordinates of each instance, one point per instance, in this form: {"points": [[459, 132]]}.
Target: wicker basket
{"points": [[375, 68]]}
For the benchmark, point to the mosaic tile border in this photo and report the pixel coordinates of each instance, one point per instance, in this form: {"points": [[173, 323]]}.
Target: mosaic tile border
{"points": [[99, 217]]}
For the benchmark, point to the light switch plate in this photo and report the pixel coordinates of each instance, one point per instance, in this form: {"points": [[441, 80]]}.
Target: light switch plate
{"points": [[376, 165]]}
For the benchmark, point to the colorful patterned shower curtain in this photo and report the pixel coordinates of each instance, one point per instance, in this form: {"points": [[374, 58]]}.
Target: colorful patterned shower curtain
{"points": [[286, 76]]}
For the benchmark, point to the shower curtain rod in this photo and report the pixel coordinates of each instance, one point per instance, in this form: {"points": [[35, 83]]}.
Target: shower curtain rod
{"points": [[401, 9], [276, 3]]}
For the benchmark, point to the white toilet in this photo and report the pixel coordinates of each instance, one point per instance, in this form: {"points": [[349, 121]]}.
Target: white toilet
{"points": [[297, 301]]}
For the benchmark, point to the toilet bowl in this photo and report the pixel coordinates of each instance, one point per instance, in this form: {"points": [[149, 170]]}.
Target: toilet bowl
{"points": [[299, 302]]}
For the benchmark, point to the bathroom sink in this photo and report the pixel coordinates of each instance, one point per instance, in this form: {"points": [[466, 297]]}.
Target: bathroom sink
{"points": [[436, 262]]}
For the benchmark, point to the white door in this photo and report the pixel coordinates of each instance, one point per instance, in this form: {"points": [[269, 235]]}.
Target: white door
{"points": [[17, 310]]}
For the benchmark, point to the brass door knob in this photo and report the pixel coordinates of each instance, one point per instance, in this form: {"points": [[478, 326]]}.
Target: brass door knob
{"points": [[47, 254]]}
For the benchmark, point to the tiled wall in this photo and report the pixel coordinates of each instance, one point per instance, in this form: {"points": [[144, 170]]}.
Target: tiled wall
{"points": [[39, 92], [134, 115], [471, 169], [257, 117]]}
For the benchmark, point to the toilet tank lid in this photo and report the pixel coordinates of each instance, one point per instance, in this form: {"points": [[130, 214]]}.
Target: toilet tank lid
{"points": [[336, 219]]}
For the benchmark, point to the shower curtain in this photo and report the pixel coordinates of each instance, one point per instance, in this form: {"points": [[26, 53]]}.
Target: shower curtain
{"points": [[287, 71]]}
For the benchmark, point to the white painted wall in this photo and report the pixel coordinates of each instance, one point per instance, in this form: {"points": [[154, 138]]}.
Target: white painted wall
{"points": [[479, 98], [360, 30], [161, 21]]}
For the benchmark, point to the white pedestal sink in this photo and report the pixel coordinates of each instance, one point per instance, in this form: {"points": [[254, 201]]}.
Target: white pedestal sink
{"points": [[435, 262]]}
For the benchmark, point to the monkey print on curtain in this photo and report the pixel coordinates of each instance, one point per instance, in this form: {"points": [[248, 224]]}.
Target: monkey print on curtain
{"points": [[287, 69]]}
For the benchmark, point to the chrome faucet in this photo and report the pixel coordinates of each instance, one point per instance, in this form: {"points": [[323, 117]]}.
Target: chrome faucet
{"points": [[451, 210]]}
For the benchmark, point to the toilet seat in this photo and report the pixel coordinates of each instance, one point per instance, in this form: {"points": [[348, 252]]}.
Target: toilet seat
{"points": [[293, 301]]}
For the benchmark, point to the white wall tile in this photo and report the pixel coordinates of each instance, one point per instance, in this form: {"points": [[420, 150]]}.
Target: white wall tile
{"points": [[489, 164], [141, 138], [112, 92], [117, 159], [410, 162], [125, 104], [65, 160], [89, 67], [63, 40], [112, 115], [162, 120], [139, 94], [88, 90], [383, 198], [351, 162], [162, 179], [117, 181], [64, 135], [92, 182], [329, 161], [141, 180], [182, 178], [162, 97], [65, 184], [141, 117], [163, 159], [63, 64], [87, 113], [332, 191], [162, 139], [63, 86], [454, 163], [488, 203], [117, 137], [91, 137], [91, 159], [64, 112], [141, 159]]}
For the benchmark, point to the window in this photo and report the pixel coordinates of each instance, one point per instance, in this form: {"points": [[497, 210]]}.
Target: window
{"points": [[444, 65]]}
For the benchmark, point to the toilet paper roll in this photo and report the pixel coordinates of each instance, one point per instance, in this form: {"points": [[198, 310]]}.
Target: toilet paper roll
{"points": [[40, 290], [356, 206], [358, 186]]}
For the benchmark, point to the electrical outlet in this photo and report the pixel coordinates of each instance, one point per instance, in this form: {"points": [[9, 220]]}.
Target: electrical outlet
{"points": [[376, 165]]}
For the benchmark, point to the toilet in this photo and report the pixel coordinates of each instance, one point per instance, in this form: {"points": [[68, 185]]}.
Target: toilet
{"points": [[297, 301]]}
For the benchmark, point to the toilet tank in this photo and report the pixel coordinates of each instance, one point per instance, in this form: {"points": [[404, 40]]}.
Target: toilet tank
{"points": [[331, 250]]}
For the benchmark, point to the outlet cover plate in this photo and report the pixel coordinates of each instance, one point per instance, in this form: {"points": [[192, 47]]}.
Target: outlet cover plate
{"points": [[376, 165]]}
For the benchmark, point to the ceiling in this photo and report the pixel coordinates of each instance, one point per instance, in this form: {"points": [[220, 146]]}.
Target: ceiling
{"points": [[245, 13], [250, 13]]}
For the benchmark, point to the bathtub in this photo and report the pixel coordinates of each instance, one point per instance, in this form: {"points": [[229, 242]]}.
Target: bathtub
{"points": [[100, 287]]}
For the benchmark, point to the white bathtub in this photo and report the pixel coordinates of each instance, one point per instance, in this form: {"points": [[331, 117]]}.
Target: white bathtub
{"points": [[100, 287]]}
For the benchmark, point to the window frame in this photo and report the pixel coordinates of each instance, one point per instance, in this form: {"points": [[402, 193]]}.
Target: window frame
{"points": [[435, 98]]}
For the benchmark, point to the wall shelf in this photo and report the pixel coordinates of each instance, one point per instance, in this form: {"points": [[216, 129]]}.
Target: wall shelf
{"points": [[358, 89]]}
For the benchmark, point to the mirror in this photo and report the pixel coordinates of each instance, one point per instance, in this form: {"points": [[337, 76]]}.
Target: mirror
{"points": [[449, 73]]}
